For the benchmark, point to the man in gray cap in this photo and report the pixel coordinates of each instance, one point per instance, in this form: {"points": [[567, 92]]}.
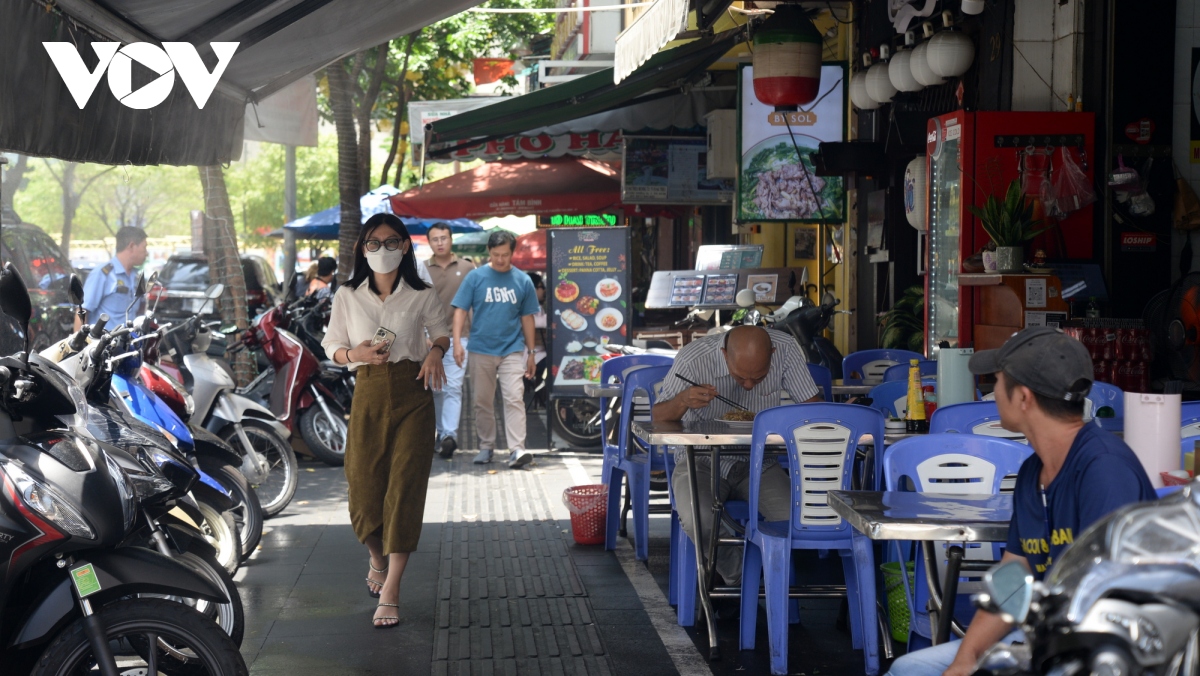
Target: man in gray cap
{"points": [[1077, 474]]}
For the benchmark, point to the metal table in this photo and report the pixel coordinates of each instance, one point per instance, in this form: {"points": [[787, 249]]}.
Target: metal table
{"points": [[598, 390], [928, 518], [715, 434], [841, 389]]}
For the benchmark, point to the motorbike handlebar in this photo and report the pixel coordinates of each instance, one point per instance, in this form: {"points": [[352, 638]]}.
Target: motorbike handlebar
{"points": [[98, 327]]}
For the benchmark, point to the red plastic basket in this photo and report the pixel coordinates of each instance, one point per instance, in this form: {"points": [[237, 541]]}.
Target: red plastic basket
{"points": [[589, 508]]}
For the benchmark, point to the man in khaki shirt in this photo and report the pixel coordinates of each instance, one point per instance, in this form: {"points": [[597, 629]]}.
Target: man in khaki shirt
{"points": [[448, 272]]}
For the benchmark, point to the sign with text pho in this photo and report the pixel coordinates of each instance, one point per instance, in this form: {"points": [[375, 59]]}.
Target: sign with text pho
{"points": [[587, 285]]}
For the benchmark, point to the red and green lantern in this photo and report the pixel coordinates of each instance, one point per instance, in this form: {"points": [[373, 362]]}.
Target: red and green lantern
{"points": [[787, 59]]}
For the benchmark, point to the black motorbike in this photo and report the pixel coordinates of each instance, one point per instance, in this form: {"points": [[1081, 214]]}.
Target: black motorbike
{"points": [[807, 325], [72, 598]]}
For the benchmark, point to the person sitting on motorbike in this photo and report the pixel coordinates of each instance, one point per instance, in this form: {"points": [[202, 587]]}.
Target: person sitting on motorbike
{"points": [[321, 282], [752, 366], [1078, 474]]}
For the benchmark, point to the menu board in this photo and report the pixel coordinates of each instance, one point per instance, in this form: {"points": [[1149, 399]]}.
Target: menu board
{"points": [[774, 184], [667, 170], [720, 289], [588, 280], [728, 256], [687, 290]]}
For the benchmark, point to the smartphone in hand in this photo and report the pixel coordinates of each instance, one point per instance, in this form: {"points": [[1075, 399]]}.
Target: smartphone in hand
{"points": [[382, 335]]}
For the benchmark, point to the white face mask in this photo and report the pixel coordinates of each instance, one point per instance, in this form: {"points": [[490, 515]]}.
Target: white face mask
{"points": [[384, 261]]}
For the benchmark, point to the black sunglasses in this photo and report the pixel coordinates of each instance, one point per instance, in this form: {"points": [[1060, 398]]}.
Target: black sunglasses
{"points": [[391, 244]]}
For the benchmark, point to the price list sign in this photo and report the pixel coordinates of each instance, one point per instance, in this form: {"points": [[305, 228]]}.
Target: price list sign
{"points": [[588, 284]]}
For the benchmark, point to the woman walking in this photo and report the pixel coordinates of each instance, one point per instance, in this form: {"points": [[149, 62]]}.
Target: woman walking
{"points": [[377, 327]]}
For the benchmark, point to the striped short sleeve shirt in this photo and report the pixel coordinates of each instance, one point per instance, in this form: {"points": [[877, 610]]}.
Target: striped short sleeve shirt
{"points": [[702, 361]]}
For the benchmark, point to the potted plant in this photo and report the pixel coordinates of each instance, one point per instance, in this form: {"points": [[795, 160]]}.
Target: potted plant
{"points": [[1010, 223]]}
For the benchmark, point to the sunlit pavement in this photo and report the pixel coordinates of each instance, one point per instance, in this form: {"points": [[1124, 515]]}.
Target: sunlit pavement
{"points": [[497, 586]]}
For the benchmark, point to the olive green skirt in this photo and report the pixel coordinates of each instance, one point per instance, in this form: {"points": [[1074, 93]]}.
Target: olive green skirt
{"points": [[389, 454]]}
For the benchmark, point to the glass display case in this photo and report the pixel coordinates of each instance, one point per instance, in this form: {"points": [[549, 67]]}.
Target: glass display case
{"points": [[945, 232]]}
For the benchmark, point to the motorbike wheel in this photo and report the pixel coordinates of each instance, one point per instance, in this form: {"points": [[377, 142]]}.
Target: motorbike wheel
{"points": [[248, 515], [184, 641], [220, 529], [572, 419], [325, 438], [282, 475], [229, 616]]}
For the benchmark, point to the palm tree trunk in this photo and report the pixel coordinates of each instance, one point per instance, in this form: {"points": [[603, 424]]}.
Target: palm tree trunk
{"points": [[349, 182], [402, 103], [224, 263]]}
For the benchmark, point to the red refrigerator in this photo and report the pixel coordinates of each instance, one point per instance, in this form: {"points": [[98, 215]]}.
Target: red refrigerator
{"points": [[973, 155]]}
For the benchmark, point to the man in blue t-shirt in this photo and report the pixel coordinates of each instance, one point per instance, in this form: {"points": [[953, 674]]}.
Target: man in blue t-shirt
{"points": [[1077, 475], [503, 302]]}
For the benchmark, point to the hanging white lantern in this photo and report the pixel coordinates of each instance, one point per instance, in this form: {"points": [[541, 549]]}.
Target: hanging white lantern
{"points": [[950, 53], [858, 92], [879, 85], [919, 65], [915, 193], [900, 72]]}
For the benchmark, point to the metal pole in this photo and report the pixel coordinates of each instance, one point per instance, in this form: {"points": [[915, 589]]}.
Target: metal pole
{"points": [[289, 211]]}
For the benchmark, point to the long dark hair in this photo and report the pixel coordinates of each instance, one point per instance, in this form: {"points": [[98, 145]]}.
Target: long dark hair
{"points": [[408, 264]]}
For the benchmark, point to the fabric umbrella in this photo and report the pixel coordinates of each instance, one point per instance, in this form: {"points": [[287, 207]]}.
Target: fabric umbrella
{"points": [[530, 253], [562, 185], [325, 224]]}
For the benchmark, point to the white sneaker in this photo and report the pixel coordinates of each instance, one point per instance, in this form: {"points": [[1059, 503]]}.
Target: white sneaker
{"points": [[484, 457], [519, 458]]}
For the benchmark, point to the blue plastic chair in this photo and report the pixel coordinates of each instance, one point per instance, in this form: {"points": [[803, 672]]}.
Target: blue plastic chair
{"points": [[950, 463], [821, 443], [892, 397], [870, 365], [1104, 394], [617, 460], [900, 371], [1167, 490], [823, 379], [971, 417], [1189, 419]]}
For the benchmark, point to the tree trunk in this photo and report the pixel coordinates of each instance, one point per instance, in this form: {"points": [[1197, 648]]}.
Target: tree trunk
{"points": [[364, 109], [402, 103], [70, 202], [224, 263], [13, 175], [349, 182]]}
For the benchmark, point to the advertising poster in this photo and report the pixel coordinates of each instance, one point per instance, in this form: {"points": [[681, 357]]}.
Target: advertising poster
{"points": [[588, 284], [775, 185], [665, 170]]}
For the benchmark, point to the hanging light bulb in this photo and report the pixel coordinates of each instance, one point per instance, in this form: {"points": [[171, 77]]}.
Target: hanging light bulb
{"points": [[950, 53], [787, 59], [858, 92], [879, 85], [900, 68]]}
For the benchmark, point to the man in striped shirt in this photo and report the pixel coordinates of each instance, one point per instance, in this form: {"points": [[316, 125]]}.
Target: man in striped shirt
{"points": [[753, 367]]}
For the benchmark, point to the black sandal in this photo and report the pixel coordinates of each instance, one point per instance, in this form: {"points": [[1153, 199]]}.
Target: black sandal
{"points": [[374, 620], [371, 592]]}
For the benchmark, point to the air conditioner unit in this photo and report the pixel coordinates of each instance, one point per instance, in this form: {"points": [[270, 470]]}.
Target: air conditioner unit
{"points": [[722, 143]]}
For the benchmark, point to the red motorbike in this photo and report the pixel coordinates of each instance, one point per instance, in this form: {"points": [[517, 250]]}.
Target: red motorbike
{"points": [[302, 396]]}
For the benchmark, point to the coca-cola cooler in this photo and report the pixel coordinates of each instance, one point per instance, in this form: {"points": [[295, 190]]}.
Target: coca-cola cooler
{"points": [[974, 155], [1120, 350]]}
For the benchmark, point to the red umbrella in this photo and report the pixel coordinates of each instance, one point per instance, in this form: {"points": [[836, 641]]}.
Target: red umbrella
{"points": [[561, 185], [531, 251]]}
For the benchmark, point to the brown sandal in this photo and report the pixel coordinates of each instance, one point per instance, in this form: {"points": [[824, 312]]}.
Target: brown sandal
{"points": [[376, 620], [374, 593]]}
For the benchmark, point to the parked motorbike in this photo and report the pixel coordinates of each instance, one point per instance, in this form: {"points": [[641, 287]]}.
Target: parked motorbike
{"points": [[807, 323], [269, 463], [1123, 599], [303, 395], [71, 596]]}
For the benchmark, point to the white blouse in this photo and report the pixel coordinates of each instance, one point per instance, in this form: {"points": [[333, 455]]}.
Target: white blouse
{"points": [[358, 313]]}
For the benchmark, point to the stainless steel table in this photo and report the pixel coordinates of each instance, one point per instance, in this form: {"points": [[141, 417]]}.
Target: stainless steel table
{"points": [[715, 434], [926, 518], [841, 389], [598, 390]]}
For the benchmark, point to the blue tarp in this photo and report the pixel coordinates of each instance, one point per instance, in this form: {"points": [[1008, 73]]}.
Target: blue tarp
{"points": [[325, 224]]}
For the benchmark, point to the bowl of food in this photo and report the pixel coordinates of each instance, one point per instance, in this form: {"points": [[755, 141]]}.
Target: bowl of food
{"points": [[609, 319], [566, 291], [587, 305], [739, 418], [608, 289], [573, 320]]}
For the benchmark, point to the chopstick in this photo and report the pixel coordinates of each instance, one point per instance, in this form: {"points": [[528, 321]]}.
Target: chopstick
{"points": [[727, 401]]}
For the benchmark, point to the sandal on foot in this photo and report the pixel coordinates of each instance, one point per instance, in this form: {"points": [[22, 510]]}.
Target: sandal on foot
{"points": [[376, 620], [374, 586]]}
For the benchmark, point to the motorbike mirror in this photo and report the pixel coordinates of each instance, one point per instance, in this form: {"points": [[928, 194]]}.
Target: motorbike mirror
{"points": [[139, 291], [75, 290], [214, 292], [153, 278], [1010, 586], [14, 299], [746, 298]]}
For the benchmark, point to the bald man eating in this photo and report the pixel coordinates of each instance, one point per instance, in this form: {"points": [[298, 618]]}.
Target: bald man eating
{"points": [[752, 366]]}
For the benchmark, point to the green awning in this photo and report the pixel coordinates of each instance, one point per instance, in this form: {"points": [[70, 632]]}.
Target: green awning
{"points": [[588, 95]]}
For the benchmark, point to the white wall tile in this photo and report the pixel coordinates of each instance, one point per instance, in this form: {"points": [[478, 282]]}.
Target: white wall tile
{"points": [[1066, 58], [1033, 20], [1068, 18], [1029, 90]]}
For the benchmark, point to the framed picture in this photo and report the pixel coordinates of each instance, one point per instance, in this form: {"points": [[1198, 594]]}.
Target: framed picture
{"points": [[805, 248]]}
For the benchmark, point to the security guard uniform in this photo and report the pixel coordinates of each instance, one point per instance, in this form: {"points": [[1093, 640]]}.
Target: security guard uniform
{"points": [[108, 290]]}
